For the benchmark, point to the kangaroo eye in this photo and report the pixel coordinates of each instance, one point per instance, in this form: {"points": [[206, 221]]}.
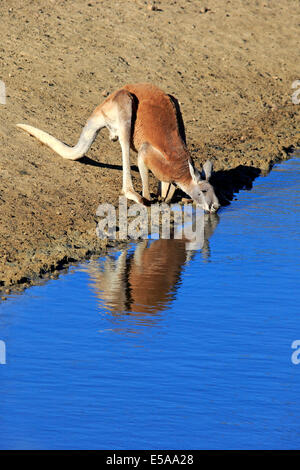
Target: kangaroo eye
{"points": [[204, 190]]}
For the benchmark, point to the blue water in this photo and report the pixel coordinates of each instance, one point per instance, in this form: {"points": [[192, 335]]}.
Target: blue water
{"points": [[197, 356]]}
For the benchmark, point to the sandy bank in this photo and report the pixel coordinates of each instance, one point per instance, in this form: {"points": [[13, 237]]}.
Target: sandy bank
{"points": [[231, 65]]}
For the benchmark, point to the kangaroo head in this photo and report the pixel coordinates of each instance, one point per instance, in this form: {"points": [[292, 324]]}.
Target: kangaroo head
{"points": [[201, 191]]}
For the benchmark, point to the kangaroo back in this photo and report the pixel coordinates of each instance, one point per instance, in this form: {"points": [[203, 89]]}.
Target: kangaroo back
{"points": [[157, 120]]}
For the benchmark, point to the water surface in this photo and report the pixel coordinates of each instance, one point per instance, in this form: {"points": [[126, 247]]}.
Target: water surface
{"points": [[160, 347]]}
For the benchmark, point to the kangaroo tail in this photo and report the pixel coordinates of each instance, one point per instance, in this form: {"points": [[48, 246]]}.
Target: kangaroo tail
{"points": [[87, 137]]}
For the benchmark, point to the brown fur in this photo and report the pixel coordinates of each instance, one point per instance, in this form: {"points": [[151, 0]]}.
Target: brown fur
{"points": [[155, 122]]}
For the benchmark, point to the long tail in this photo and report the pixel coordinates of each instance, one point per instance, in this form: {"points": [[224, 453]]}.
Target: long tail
{"points": [[87, 137]]}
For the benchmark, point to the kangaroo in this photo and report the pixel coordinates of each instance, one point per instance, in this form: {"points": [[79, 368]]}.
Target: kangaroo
{"points": [[145, 119]]}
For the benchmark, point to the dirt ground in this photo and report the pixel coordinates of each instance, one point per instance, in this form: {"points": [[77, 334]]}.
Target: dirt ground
{"points": [[231, 65]]}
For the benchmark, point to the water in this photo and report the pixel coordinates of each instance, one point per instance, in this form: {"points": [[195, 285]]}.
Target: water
{"points": [[163, 348]]}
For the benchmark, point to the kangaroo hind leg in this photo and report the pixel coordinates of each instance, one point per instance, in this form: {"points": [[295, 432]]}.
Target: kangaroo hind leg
{"points": [[120, 117]]}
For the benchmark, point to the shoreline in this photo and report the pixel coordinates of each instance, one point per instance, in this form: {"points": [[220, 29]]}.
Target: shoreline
{"points": [[231, 67], [73, 250]]}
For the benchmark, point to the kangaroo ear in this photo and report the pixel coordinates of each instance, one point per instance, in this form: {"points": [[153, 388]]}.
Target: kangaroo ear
{"points": [[207, 170], [194, 173]]}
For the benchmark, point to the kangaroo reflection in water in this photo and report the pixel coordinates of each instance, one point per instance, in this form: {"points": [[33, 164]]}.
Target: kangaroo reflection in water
{"points": [[144, 281]]}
